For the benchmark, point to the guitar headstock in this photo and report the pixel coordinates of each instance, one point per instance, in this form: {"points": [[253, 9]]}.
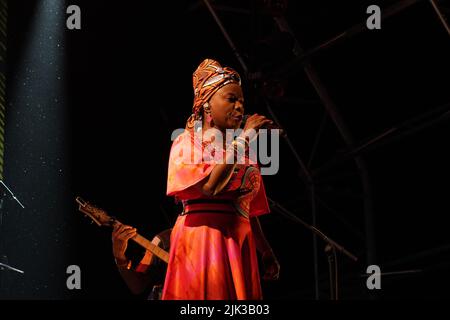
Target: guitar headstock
{"points": [[99, 216]]}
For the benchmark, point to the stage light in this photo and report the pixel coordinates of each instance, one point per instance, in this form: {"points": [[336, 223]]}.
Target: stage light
{"points": [[37, 152]]}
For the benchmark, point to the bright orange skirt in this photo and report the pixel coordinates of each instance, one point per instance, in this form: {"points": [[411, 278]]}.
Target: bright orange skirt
{"points": [[212, 257]]}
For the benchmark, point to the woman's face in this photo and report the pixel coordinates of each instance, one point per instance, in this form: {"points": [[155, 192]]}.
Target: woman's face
{"points": [[227, 107]]}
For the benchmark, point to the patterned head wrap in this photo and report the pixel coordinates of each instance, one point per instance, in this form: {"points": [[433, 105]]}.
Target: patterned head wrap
{"points": [[209, 77]]}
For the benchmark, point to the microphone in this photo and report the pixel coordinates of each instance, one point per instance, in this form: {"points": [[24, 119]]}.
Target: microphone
{"points": [[266, 126]]}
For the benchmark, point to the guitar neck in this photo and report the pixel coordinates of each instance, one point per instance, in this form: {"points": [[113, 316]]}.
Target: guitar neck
{"points": [[101, 218], [157, 251]]}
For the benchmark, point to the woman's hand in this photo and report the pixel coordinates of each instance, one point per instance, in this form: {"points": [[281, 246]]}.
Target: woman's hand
{"points": [[252, 126], [271, 266], [120, 236], [256, 122]]}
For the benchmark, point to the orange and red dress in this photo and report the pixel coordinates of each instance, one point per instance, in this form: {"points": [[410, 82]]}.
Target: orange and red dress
{"points": [[213, 251]]}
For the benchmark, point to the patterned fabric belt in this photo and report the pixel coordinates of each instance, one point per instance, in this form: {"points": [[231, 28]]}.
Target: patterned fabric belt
{"points": [[208, 206]]}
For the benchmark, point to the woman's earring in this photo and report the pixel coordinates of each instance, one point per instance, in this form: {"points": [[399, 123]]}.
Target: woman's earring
{"points": [[208, 118], [198, 124]]}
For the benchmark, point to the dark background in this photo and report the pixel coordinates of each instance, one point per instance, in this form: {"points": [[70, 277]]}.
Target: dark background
{"points": [[128, 86]]}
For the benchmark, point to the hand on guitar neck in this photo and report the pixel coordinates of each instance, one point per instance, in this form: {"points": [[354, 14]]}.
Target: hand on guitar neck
{"points": [[120, 236], [123, 232]]}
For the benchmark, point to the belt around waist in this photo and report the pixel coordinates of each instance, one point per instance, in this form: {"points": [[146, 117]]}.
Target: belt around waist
{"points": [[208, 206]]}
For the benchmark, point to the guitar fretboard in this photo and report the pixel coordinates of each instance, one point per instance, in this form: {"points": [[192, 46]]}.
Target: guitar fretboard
{"points": [[157, 251], [100, 217]]}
